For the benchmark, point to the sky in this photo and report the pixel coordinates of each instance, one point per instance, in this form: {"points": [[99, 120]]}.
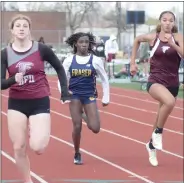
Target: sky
{"points": [[155, 8], [152, 8]]}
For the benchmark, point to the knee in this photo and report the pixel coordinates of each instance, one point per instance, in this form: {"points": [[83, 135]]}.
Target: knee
{"points": [[19, 149], [77, 128], [95, 130], [95, 127], [38, 146], [170, 103]]}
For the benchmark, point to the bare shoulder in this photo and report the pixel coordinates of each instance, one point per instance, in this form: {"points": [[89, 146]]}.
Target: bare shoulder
{"points": [[178, 36], [146, 37]]}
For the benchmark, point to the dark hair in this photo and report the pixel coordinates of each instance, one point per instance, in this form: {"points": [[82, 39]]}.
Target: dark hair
{"points": [[164, 12], [174, 29], [72, 40], [41, 40]]}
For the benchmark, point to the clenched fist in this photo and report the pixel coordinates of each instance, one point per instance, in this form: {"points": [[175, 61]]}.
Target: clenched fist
{"points": [[133, 69], [168, 38], [18, 77]]}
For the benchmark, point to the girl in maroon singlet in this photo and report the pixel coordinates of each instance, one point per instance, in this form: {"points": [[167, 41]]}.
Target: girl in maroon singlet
{"points": [[163, 83], [28, 92]]}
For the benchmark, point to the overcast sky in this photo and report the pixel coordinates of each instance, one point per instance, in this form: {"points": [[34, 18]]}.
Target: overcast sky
{"points": [[152, 8]]}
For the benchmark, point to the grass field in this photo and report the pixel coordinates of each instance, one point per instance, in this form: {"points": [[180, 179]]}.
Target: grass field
{"points": [[137, 86]]}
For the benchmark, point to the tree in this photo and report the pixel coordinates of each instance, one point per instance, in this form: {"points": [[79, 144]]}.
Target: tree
{"points": [[39, 6], [151, 21], [78, 12], [9, 6], [117, 18]]}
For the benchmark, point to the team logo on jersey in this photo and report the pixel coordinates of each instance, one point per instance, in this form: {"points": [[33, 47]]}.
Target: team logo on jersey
{"points": [[24, 66], [91, 98], [165, 48]]}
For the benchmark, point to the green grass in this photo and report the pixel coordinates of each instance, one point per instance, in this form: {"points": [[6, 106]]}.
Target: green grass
{"points": [[137, 86]]}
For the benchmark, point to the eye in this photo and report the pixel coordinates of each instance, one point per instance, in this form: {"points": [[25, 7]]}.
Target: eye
{"points": [[25, 25], [17, 25]]}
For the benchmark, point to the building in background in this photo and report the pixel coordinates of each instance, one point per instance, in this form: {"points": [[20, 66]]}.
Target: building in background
{"points": [[50, 25]]}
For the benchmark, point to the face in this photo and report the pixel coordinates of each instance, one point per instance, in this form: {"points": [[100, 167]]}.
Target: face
{"points": [[21, 29], [83, 44], [167, 22]]}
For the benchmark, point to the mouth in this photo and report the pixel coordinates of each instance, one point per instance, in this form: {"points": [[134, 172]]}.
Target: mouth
{"points": [[83, 48]]}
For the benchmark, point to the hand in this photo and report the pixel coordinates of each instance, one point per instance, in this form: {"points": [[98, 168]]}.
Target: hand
{"points": [[18, 77], [133, 69], [168, 38], [66, 102], [66, 96], [103, 104]]}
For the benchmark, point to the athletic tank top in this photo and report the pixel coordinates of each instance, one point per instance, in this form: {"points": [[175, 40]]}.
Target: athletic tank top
{"points": [[82, 78], [34, 83], [164, 64]]}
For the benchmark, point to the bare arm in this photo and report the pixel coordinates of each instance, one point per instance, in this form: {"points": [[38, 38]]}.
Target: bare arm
{"points": [[142, 38], [179, 49]]}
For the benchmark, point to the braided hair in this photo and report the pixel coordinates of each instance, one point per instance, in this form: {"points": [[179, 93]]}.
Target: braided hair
{"points": [[72, 40]]}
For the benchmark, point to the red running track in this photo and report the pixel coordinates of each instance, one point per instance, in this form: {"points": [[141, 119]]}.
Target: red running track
{"points": [[116, 153]]}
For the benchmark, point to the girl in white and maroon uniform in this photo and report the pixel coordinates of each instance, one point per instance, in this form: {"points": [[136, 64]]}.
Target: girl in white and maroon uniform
{"points": [[163, 83], [28, 91]]}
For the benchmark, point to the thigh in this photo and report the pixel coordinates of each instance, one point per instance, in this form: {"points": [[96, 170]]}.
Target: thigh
{"points": [[160, 93], [91, 110], [76, 109], [40, 127], [17, 127]]}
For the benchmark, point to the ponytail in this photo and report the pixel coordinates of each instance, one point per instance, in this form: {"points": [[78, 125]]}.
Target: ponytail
{"points": [[175, 29]]}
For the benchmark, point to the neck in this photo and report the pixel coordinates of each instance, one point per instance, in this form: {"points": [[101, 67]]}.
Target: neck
{"points": [[163, 32], [82, 54], [22, 44]]}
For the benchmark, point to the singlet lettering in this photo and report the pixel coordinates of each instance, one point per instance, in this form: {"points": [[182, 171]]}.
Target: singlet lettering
{"points": [[27, 78], [81, 72]]}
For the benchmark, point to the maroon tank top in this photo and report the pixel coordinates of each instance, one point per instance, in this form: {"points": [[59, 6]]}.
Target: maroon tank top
{"points": [[164, 64], [34, 83]]}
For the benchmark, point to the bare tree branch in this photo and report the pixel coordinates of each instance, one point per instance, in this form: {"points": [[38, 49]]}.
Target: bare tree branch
{"points": [[78, 12]]}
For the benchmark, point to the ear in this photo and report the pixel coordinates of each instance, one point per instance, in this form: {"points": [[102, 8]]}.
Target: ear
{"points": [[12, 32]]}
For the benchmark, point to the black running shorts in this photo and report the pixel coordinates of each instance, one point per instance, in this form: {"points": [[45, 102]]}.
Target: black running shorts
{"points": [[30, 106], [173, 90]]}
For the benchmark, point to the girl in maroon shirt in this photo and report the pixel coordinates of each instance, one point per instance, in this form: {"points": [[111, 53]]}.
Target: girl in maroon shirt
{"points": [[163, 83], [28, 91]]}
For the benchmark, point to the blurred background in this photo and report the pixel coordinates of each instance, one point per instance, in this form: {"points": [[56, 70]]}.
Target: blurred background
{"points": [[53, 22]]}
